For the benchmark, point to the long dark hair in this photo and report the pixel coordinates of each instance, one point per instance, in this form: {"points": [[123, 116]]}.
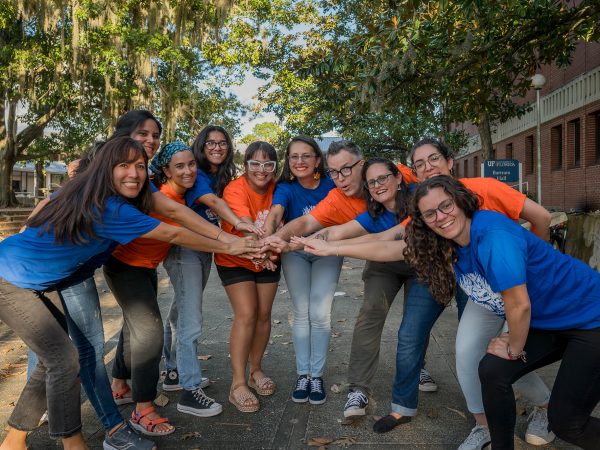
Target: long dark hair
{"points": [[132, 120], [430, 254], [286, 172], [402, 196], [434, 142], [226, 170], [72, 213]]}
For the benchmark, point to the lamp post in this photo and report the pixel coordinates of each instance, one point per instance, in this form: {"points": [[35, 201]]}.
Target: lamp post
{"points": [[538, 81]]}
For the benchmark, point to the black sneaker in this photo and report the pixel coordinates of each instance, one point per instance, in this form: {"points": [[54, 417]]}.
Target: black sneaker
{"points": [[171, 381], [302, 390], [356, 404], [317, 394], [198, 403], [127, 438], [426, 382]]}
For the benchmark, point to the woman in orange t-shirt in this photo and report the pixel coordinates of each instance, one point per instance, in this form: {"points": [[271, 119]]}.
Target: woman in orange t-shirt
{"points": [[250, 285]]}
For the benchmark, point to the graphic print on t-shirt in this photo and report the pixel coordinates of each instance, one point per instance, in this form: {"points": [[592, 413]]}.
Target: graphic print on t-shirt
{"points": [[480, 292]]}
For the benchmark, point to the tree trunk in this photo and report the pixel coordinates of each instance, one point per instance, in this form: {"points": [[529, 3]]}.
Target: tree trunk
{"points": [[39, 181], [8, 154], [485, 134]]}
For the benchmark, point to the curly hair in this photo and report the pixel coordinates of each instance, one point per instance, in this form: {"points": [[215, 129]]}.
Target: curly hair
{"points": [[431, 255], [402, 196]]}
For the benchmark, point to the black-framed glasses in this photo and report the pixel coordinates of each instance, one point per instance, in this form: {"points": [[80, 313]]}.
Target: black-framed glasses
{"points": [[344, 171], [446, 207], [213, 144], [303, 157], [380, 180], [258, 166], [432, 159]]}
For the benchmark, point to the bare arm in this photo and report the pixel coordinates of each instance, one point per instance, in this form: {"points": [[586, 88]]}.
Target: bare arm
{"points": [[393, 234], [538, 217], [344, 231], [518, 315], [381, 251], [36, 210], [301, 226], [224, 211], [186, 238], [273, 219]]}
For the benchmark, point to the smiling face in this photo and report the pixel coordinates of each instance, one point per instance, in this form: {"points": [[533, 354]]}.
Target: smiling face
{"points": [[259, 179], [302, 160], [129, 177], [429, 162], [148, 134], [383, 185], [215, 149], [452, 224], [181, 171], [350, 185]]}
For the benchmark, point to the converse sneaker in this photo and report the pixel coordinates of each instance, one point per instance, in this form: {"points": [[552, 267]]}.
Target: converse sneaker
{"points": [[426, 382], [538, 432], [171, 381], [127, 438], [356, 404], [478, 439], [302, 390], [198, 403], [317, 394]]}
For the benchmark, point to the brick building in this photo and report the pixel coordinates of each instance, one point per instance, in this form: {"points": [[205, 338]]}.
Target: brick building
{"points": [[570, 135]]}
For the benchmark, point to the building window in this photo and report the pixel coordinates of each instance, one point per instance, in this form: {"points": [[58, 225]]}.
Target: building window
{"points": [[556, 147], [529, 158], [509, 151], [595, 145], [466, 167], [476, 166], [574, 143]]}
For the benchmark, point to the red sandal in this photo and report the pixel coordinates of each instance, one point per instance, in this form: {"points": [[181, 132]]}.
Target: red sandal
{"points": [[144, 425], [120, 398]]}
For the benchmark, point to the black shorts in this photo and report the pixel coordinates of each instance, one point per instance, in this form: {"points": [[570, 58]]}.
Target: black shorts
{"points": [[233, 275]]}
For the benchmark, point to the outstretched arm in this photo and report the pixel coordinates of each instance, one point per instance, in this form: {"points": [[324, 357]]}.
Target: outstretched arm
{"points": [[381, 251], [224, 211], [539, 218]]}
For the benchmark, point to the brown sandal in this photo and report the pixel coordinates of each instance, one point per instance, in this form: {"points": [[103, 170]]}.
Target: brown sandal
{"points": [[240, 399], [264, 386]]}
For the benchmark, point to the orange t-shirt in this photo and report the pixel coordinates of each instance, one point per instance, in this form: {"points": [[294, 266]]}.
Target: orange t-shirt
{"points": [[337, 208], [143, 252], [244, 202], [408, 175], [495, 196]]}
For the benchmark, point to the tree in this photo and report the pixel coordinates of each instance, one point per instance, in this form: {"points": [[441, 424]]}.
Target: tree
{"points": [[265, 131]]}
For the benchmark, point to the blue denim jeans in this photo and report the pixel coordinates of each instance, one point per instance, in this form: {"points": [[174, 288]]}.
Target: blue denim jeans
{"points": [[188, 271], [84, 321], [478, 325], [420, 314], [311, 281], [54, 384]]}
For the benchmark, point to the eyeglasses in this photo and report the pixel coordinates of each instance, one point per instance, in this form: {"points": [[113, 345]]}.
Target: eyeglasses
{"points": [[257, 166], [446, 207], [213, 144], [344, 171], [380, 180], [432, 159], [304, 157]]}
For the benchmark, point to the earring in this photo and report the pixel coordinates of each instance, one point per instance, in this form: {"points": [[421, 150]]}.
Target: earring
{"points": [[292, 177], [317, 175]]}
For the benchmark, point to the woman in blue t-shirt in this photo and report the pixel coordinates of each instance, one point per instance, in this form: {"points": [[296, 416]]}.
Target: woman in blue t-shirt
{"points": [[189, 270], [84, 219], [311, 280], [551, 303]]}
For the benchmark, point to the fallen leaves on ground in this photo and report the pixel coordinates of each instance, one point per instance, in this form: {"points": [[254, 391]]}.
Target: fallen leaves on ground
{"points": [[460, 413], [191, 435], [204, 357], [161, 400]]}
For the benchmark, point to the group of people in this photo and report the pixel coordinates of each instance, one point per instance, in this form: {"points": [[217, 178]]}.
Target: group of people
{"points": [[131, 204]]}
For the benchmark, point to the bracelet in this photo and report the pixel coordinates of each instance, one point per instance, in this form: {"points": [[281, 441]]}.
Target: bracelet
{"points": [[236, 225], [219, 234], [522, 356]]}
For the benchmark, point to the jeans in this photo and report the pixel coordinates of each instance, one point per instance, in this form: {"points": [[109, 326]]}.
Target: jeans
{"points": [[311, 281], [575, 393], [84, 321], [188, 271], [478, 325], [54, 384], [382, 282], [140, 344]]}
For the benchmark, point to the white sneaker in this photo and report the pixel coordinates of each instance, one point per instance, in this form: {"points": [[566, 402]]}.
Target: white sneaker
{"points": [[426, 382], [538, 432], [478, 439], [356, 405]]}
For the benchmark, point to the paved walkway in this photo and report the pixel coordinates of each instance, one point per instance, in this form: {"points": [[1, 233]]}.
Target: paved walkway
{"points": [[442, 422]]}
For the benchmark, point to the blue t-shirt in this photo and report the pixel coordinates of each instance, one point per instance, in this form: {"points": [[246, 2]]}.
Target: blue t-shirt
{"points": [[564, 292], [204, 184], [382, 222], [33, 261], [298, 200]]}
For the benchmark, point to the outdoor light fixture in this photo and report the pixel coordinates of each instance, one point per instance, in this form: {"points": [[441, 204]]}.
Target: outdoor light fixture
{"points": [[537, 82]]}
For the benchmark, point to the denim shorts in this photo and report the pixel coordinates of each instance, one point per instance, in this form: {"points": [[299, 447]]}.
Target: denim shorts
{"points": [[233, 275]]}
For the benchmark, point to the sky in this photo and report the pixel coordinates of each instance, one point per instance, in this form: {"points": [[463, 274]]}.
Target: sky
{"points": [[245, 93]]}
